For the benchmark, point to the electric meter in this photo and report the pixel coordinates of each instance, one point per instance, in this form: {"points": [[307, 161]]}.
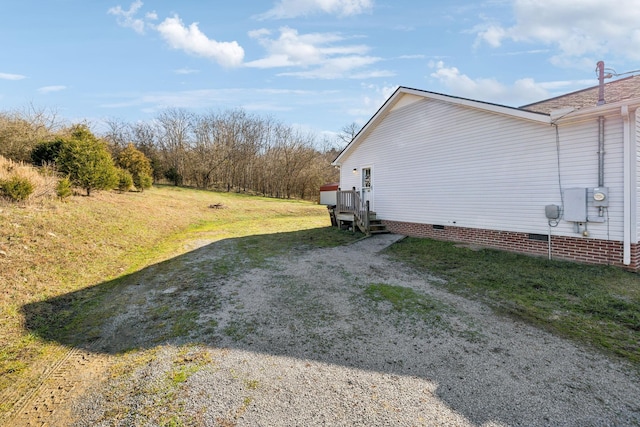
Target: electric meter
{"points": [[599, 196]]}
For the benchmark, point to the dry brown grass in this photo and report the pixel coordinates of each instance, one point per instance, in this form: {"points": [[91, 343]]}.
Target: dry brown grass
{"points": [[44, 180]]}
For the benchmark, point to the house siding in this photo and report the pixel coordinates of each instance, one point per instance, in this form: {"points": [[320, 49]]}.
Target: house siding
{"points": [[440, 163]]}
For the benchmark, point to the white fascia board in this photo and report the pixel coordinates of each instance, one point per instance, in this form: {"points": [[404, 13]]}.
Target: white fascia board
{"points": [[493, 108], [599, 110]]}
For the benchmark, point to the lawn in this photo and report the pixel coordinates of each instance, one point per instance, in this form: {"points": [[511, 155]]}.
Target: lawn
{"points": [[51, 248], [595, 305]]}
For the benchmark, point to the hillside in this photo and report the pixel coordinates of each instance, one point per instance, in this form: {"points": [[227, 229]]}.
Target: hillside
{"points": [[50, 248]]}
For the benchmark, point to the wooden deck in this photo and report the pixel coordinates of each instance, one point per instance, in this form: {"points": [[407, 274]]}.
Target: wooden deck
{"points": [[350, 208]]}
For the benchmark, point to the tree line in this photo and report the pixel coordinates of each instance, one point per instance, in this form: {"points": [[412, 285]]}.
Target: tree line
{"points": [[230, 150]]}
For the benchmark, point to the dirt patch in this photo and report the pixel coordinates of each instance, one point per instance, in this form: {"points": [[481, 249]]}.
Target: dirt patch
{"points": [[50, 402], [311, 338]]}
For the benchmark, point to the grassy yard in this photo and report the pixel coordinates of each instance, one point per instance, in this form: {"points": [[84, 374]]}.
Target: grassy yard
{"points": [[50, 248], [596, 305]]}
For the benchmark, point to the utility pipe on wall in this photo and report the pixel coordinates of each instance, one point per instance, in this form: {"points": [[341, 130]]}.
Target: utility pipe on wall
{"points": [[601, 151], [601, 101], [627, 186]]}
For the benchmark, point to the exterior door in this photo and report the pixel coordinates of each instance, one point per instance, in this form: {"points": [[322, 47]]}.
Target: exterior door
{"points": [[367, 186]]}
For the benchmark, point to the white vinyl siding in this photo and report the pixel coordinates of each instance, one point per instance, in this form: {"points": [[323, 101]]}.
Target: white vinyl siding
{"points": [[441, 163]]}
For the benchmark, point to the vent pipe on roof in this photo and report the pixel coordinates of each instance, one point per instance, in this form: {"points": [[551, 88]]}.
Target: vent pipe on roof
{"points": [[601, 77]]}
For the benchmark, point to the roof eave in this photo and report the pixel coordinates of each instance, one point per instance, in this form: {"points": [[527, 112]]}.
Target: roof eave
{"points": [[386, 107], [599, 110]]}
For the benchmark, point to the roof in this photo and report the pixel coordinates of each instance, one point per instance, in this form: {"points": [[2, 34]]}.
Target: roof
{"points": [[615, 91], [395, 99], [331, 186]]}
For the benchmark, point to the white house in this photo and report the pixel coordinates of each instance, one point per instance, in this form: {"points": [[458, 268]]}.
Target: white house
{"points": [[557, 178]]}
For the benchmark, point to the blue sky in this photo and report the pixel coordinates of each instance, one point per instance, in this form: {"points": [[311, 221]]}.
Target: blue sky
{"points": [[316, 64]]}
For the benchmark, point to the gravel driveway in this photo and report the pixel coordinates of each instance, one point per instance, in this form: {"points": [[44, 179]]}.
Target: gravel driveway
{"points": [[301, 343]]}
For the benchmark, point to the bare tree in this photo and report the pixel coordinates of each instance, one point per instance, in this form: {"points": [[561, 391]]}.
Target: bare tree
{"points": [[231, 150], [348, 132], [118, 135], [21, 131], [174, 140]]}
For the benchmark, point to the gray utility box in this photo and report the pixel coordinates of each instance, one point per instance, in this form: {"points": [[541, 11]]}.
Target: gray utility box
{"points": [[575, 204], [578, 200], [552, 211]]}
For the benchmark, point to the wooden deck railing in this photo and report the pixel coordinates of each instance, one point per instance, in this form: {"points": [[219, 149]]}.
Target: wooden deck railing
{"points": [[350, 202]]}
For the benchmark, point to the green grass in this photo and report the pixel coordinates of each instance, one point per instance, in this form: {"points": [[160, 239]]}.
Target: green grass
{"points": [[67, 260], [239, 330], [403, 299], [413, 306], [596, 305]]}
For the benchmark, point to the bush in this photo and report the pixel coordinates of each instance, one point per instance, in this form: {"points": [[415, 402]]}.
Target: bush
{"points": [[87, 162], [174, 176], [46, 152], [144, 182], [16, 188], [125, 180], [137, 164], [63, 189], [43, 180]]}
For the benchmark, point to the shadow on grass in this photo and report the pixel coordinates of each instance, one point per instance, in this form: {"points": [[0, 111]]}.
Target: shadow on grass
{"points": [[201, 297], [165, 302]]}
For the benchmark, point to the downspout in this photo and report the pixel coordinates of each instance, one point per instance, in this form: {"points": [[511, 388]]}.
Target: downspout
{"points": [[627, 187]]}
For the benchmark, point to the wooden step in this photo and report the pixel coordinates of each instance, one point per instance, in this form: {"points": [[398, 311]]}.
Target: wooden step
{"points": [[377, 227]]}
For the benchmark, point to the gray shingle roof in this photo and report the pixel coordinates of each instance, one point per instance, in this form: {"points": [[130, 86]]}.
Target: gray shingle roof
{"points": [[614, 91]]}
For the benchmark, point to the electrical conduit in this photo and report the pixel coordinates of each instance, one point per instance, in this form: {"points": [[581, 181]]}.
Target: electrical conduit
{"points": [[628, 187]]}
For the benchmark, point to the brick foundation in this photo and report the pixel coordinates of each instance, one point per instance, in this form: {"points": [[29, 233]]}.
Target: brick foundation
{"points": [[591, 251]]}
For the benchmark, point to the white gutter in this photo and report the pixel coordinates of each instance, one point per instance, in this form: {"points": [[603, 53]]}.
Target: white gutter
{"points": [[628, 186], [600, 110]]}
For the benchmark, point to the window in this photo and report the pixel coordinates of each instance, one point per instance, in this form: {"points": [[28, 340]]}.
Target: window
{"points": [[366, 177]]}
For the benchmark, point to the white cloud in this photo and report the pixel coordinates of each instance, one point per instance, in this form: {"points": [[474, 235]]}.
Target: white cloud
{"points": [[369, 104], [191, 40], [520, 92], [493, 35], [296, 49], [414, 56], [265, 106], [186, 71], [155, 101], [7, 76], [335, 68], [372, 74], [319, 54], [577, 28], [49, 89], [295, 8], [274, 100], [126, 18]]}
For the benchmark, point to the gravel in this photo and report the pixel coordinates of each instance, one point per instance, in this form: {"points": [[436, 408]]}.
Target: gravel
{"points": [[299, 343]]}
